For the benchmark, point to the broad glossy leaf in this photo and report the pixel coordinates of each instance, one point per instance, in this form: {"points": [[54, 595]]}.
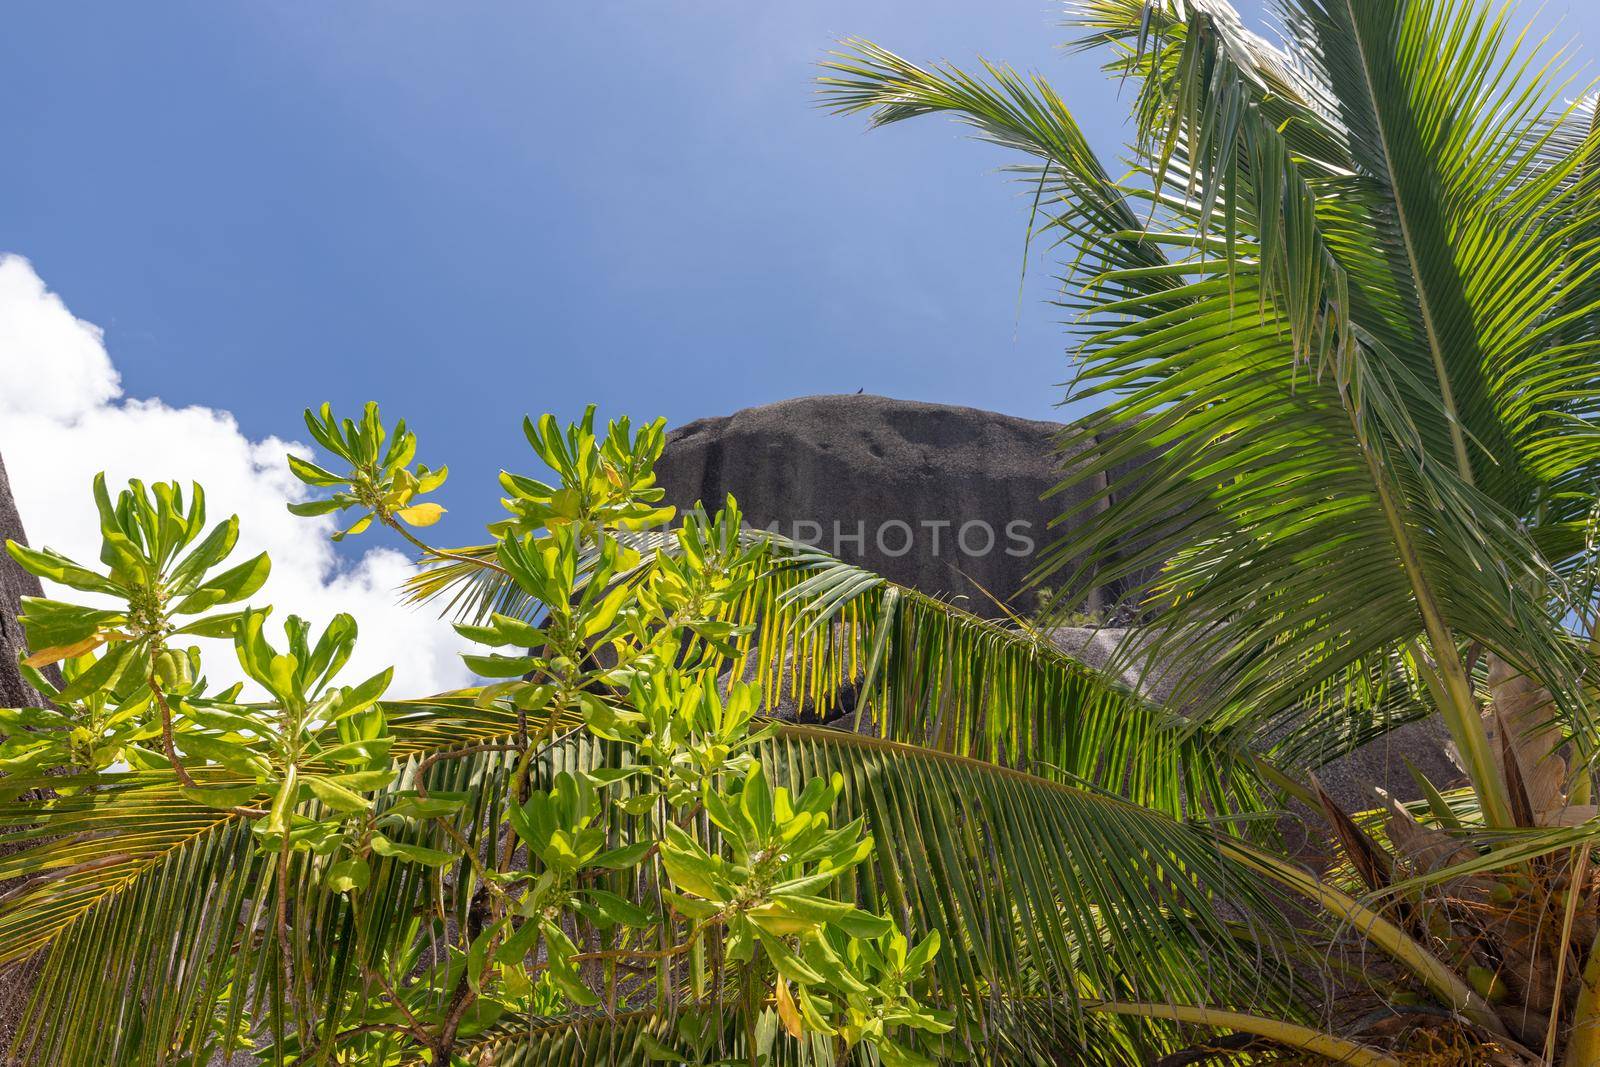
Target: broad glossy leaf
{"points": [[424, 514], [349, 875], [223, 797], [335, 795], [312, 474], [429, 857], [59, 569]]}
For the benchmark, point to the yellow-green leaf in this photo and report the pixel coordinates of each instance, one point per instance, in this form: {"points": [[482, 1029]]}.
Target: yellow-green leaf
{"points": [[425, 514], [337, 796], [61, 652]]}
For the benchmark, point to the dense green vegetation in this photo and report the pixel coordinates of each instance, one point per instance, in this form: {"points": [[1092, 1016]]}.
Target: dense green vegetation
{"points": [[602, 849], [1343, 306], [1346, 299]]}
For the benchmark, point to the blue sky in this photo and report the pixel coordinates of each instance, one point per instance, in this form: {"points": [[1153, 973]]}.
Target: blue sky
{"points": [[470, 211]]}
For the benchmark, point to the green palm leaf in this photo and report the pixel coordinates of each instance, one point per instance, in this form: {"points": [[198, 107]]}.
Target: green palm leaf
{"points": [[1070, 917], [136, 919], [925, 672], [1325, 478], [1021, 878]]}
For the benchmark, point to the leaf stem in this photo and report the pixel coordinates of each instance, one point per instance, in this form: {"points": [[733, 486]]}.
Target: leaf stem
{"points": [[1583, 1040], [167, 743], [1458, 706], [285, 944], [1304, 1038]]}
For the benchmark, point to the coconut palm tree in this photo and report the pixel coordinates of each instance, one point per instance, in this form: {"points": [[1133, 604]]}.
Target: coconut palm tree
{"points": [[1345, 302]]}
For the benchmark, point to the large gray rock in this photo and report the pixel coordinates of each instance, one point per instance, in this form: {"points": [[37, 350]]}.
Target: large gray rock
{"points": [[944, 499]]}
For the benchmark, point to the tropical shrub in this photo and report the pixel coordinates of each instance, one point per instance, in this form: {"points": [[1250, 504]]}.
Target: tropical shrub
{"points": [[604, 853]]}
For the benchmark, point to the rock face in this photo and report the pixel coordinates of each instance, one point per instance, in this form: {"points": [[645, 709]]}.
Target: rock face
{"points": [[944, 499], [15, 583]]}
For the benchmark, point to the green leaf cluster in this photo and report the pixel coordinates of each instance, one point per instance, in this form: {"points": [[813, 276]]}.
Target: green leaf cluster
{"points": [[607, 481], [144, 536], [379, 480]]}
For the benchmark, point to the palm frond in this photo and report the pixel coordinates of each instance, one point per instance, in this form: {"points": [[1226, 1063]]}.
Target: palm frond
{"points": [[450, 720], [468, 588], [1439, 101], [1212, 318], [144, 906], [819, 630], [137, 916], [1043, 890], [1062, 911], [1461, 395], [1346, 712], [947, 680], [1317, 475], [1083, 207]]}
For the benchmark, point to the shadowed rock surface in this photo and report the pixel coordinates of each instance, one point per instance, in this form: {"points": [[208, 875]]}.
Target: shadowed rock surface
{"points": [[15, 583], [944, 499]]}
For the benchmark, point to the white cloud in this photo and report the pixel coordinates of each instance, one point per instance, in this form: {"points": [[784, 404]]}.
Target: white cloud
{"points": [[63, 418], [51, 364]]}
